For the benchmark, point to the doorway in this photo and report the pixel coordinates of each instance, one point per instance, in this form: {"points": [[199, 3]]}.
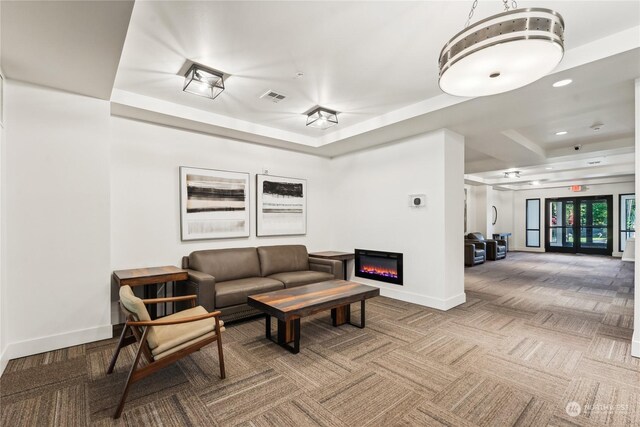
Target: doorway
{"points": [[580, 225]]}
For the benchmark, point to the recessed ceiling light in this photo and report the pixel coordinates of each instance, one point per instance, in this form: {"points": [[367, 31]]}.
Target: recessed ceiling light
{"points": [[535, 182], [596, 127], [548, 168], [562, 83], [562, 132]]}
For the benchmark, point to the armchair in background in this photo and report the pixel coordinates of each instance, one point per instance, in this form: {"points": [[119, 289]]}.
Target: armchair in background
{"points": [[496, 249], [475, 252]]}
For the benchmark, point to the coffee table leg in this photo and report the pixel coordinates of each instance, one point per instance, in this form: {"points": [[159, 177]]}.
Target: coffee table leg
{"points": [[362, 313], [267, 326], [341, 315], [296, 337], [287, 332]]}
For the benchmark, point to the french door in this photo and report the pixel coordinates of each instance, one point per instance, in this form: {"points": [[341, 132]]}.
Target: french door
{"points": [[579, 225]]}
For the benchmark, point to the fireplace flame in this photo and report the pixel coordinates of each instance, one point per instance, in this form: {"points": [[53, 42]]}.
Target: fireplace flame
{"points": [[379, 271]]}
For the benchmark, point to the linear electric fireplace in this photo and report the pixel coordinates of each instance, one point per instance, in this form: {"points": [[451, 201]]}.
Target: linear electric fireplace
{"points": [[379, 265]]}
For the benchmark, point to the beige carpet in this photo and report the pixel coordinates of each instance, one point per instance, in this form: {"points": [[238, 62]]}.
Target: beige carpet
{"points": [[538, 332]]}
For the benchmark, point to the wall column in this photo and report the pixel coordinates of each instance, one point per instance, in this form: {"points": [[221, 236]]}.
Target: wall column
{"points": [[635, 345]]}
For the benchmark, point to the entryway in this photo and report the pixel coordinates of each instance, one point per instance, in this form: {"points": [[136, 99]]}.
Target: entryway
{"points": [[579, 225]]}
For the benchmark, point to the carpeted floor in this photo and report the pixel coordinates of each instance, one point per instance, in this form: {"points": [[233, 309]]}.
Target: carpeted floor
{"points": [[538, 332]]}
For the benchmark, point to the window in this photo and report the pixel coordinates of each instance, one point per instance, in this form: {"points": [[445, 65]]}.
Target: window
{"points": [[533, 223], [627, 218]]}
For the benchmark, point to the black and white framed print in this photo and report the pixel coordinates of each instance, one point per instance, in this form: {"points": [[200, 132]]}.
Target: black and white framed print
{"points": [[281, 205], [214, 204]]}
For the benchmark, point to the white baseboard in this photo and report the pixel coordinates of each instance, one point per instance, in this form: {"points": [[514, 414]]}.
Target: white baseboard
{"points": [[525, 249], [3, 361], [427, 301], [635, 343], [54, 342]]}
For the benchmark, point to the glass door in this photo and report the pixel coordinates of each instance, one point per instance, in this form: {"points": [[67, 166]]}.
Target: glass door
{"points": [[579, 225], [560, 225]]}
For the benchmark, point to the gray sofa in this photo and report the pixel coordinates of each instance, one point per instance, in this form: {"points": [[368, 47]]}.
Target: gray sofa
{"points": [[224, 278]]}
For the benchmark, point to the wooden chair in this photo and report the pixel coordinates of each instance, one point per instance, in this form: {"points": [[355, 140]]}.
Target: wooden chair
{"points": [[165, 340]]}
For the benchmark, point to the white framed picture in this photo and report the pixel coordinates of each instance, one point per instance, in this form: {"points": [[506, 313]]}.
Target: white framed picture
{"points": [[281, 207], [214, 204]]}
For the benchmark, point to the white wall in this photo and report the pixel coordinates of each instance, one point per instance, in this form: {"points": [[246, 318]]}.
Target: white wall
{"points": [[635, 345], [57, 211], [145, 215], [3, 323], [371, 192], [519, 205], [480, 210], [503, 201]]}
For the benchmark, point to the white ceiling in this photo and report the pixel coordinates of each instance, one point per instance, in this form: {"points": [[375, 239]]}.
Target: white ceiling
{"points": [[375, 62], [363, 59], [70, 45]]}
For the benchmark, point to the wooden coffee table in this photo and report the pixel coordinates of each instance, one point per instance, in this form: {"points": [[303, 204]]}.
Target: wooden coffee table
{"points": [[290, 305]]}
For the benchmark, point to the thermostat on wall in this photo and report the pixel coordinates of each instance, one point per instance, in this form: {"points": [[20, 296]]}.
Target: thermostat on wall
{"points": [[417, 200]]}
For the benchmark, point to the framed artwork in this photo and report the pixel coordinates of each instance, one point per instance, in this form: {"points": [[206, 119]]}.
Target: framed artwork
{"points": [[281, 205], [214, 204]]}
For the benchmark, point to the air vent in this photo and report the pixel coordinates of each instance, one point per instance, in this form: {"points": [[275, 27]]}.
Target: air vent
{"points": [[273, 96], [595, 162]]}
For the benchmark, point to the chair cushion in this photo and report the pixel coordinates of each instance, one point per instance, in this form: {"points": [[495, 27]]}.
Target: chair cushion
{"points": [[299, 278], [280, 259], [170, 337], [226, 264], [185, 344], [135, 305], [234, 292]]}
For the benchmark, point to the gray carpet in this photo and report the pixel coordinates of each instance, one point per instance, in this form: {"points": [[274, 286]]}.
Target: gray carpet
{"points": [[538, 332]]}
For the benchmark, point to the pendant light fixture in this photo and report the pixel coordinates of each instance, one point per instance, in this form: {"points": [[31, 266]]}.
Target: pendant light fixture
{"points": [[503, 52]]}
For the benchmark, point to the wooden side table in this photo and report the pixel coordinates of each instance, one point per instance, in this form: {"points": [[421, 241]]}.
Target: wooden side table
{"points": [[335, 255], [151, 277]]}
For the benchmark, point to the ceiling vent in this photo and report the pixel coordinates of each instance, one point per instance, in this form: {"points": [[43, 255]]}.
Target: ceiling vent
{"points": [[273, 96]]}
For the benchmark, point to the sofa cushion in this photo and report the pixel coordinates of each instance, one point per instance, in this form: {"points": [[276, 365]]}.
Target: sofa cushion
{"points": [[284, 258], [226, 264], [173, 337], [298, 278], [234, 292]]}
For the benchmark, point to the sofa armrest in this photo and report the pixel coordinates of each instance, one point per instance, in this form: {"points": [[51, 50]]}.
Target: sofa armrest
{"points": [[202, 285], [327, 266], [501, 242]]}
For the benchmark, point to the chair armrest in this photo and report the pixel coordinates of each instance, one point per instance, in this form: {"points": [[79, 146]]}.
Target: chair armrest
{"points": [[169, 299], [469, 251], [203, 285], [478, 244], [327, 266], [501, 242], [163, 322]]}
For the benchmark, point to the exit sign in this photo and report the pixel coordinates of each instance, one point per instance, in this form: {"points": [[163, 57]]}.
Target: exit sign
{"points": [[576, 188]]}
